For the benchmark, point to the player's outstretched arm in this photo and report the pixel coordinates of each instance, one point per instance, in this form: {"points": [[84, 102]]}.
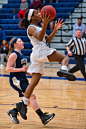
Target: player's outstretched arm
{"points": [[58, 25]]}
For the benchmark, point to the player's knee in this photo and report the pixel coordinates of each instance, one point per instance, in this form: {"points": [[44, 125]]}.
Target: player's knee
{"points": [[33, 96], [67, 57]]}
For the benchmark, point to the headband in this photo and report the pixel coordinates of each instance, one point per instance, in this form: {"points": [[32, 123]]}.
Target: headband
{"points": [[30, 14], [14, 41]]}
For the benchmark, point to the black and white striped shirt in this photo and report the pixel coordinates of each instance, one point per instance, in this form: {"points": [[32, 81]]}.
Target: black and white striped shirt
{"points": [[78, 45]]}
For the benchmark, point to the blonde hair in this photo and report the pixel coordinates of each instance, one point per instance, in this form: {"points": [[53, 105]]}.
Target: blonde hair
{"points": [[10, 48]]}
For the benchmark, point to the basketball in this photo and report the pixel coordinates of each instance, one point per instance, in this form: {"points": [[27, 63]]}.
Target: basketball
{"points": [[49, 10]]}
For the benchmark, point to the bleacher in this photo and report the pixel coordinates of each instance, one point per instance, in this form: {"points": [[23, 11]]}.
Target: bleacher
{"points": [[12, 29]]}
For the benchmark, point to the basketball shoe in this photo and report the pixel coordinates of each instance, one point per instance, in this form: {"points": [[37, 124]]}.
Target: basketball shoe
{"points": [[46, 118], [22, 109], [68, 75], [13, 114]]}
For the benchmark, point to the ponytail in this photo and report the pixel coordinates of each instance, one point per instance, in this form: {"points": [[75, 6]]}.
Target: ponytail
{"points": [[24, 23], [11, 48]]}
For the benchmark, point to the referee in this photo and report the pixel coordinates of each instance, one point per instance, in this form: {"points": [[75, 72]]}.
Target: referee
{"points": [[78, 45]]}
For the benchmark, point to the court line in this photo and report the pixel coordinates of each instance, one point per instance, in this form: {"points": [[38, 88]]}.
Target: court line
{"points": [[47, 77], [8, 95], [39, 89], [44, 77], [56, 107]]}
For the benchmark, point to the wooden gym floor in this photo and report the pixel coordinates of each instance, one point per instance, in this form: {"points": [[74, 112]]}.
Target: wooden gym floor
{"points": [[54, 95]]}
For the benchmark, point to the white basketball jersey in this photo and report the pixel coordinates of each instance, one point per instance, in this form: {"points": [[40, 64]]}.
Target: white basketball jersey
{"points": [[33, 40]]}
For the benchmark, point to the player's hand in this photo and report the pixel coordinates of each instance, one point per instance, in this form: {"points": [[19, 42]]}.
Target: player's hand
{"points": [[24, 68], [59, 24], [70, 53], [46, 18]]}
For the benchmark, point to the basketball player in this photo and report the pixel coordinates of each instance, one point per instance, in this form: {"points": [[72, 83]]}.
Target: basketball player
{"points": [[16, 65], [41, 53]]}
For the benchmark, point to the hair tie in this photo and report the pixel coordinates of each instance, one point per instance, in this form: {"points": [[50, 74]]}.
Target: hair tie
{"points": [[14, 41], [30, 14]]}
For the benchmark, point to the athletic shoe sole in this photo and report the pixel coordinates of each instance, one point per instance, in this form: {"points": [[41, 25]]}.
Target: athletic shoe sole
{"points": [[12, 118], [68, 75], [49, 119]]}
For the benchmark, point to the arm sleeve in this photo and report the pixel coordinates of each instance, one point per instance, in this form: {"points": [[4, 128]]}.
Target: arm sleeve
{"points": [[26, 5], [70, 43]]}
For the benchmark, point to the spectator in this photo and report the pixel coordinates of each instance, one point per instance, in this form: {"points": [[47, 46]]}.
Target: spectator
{"points": [[36, 4], [2, 35], [79, 46], [4, 51], [23, 9], [79, 26]]}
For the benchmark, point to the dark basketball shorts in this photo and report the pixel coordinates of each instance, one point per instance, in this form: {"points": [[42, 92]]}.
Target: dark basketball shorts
{"points": [[19, 85]]}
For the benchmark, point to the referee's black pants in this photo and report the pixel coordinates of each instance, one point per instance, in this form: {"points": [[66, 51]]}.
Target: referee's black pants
{"points": [[79, 65]]}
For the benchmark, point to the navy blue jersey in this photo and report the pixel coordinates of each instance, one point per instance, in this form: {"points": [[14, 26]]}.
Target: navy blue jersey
{"points": [[20, 62], [18, 80]]}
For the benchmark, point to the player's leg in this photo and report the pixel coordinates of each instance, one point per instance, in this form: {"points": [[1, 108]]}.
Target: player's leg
{"points": [[13, 113], [58, 57], [80, 62], [74, 69], [22, 106], [20, 87], [34, 81], [45, 118]]}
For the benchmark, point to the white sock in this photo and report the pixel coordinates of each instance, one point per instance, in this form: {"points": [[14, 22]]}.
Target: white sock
{"points": [[64, 67], [25, 100]]}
